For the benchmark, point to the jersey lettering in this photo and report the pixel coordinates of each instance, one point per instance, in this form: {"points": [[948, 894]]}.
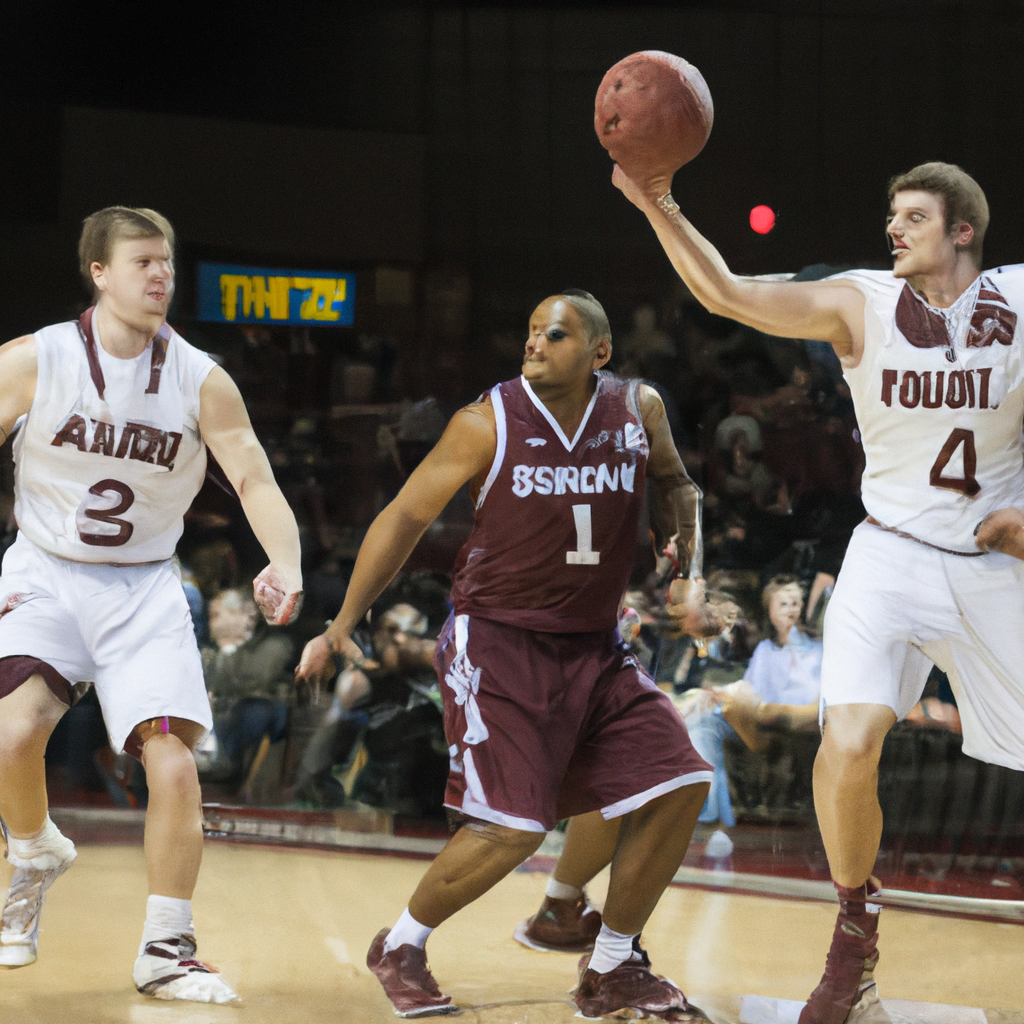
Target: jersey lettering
{"points": [[932, 390], [132, 441], [561, 479], [125, 529]]}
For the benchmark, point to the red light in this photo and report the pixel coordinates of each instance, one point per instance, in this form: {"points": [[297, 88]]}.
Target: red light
{"points": [[762, 219]]}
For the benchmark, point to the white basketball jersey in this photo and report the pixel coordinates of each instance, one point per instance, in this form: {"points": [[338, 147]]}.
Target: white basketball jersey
{"points": [[940, 417], [110, 456]]}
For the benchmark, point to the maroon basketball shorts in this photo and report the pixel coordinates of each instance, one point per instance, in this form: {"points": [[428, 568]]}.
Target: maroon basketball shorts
{"points": [[543, 726]]}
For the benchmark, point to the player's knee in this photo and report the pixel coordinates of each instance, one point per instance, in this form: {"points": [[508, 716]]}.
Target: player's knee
{"points": [[854, 738], [169, 764], [510, 838], [24, 732]]}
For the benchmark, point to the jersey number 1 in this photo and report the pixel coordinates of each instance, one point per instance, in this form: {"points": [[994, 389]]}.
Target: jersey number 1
{"points": [[584, 553], [108, 515], [967, 484]]}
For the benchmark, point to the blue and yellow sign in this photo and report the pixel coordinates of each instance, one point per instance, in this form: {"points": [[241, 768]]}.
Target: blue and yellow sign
{"points": [[255, 295]]}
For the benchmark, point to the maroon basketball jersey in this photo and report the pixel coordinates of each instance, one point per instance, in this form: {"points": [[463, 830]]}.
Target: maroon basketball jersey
{"points": [[555, 531]]}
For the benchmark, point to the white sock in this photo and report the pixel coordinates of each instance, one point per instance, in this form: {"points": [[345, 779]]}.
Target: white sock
{"points": [[46, 849], [407, 932], [166, 918], [610, 950], [562, 891]]}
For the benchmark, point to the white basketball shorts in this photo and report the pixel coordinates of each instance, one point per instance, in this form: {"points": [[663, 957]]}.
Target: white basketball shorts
{"points": [[126, 629], [899, 605]]}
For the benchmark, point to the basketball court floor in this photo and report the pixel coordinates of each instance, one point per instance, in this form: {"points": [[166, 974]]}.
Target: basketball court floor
{"points": [[289, 929]]}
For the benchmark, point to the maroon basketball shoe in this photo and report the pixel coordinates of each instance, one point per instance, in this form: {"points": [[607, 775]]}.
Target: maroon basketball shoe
{"points": [[407, 980], [561, 926], [846, 993], [634, 988]]}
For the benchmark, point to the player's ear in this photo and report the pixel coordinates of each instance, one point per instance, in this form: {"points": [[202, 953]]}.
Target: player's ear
{"points": [[964, 233], [602, 351]]}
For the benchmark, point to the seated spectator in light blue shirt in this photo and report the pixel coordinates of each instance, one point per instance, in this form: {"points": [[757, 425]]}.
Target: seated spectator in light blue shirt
{"points": [[779, 690]]}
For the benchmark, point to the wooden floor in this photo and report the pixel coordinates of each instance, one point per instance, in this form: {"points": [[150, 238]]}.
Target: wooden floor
{"points": [[289, 930]]}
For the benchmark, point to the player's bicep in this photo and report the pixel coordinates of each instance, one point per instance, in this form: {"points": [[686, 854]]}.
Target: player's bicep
{"points": [[663, 459], [466, 449], [18, 368], [228, 433], [814, 310]]}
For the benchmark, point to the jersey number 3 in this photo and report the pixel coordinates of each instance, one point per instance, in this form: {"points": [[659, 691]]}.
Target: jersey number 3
{"points": [[967, 484], [584, 553], [125, 529]]}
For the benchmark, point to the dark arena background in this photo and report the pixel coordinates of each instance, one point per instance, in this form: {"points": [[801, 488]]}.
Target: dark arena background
{"points": [[432, 168]]}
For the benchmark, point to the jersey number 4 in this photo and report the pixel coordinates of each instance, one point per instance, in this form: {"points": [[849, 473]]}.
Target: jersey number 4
{"points": [[584, 553], [126, 498], [966, 484]]}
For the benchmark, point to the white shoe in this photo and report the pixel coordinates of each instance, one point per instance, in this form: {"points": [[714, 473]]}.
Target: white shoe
{"points": [[167, 970], [19, 930]]}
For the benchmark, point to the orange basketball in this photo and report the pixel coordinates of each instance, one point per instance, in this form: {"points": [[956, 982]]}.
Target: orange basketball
{"points": [[653, 113]]}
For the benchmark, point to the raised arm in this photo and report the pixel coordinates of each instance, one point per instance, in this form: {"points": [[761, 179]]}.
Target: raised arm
{"points": [[830, 311], [465, 451], [18, 368], [676, 515], [224, 424]]}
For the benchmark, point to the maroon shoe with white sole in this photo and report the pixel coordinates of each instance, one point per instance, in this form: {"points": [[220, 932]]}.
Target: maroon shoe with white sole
{"points": [[632, 990], [561, 926], [406, 979]]}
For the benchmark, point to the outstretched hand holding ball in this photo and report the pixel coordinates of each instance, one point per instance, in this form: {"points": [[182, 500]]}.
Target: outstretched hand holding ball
{"points": [[653, 113]]}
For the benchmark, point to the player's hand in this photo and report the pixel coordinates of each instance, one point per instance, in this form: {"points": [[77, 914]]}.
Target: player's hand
{"points": [[641, 193], [1002, 530], [317, 665], [694, 614], [278, 598], [319, 662]]}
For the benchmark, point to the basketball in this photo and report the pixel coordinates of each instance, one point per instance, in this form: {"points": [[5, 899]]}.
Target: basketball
{"points": [[653, 113]]}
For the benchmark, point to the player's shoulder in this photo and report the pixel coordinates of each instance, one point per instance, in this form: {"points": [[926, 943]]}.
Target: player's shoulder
{"points": [[66, 333], [474, 422], [20, 355], [1009, 281], [191, 366], [1007, 272], [55, 345], [647, 398], [185, 349], [26, 343], [873, 282]]}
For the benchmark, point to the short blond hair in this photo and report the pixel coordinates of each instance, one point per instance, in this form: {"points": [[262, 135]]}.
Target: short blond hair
{"points": [[102, 230], [962, 197]]}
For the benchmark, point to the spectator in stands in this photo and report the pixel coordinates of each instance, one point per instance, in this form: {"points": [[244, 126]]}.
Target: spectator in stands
{"points": [[647, 351], [740, 477], [779, 691], [389, 702], [248, 677]]}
